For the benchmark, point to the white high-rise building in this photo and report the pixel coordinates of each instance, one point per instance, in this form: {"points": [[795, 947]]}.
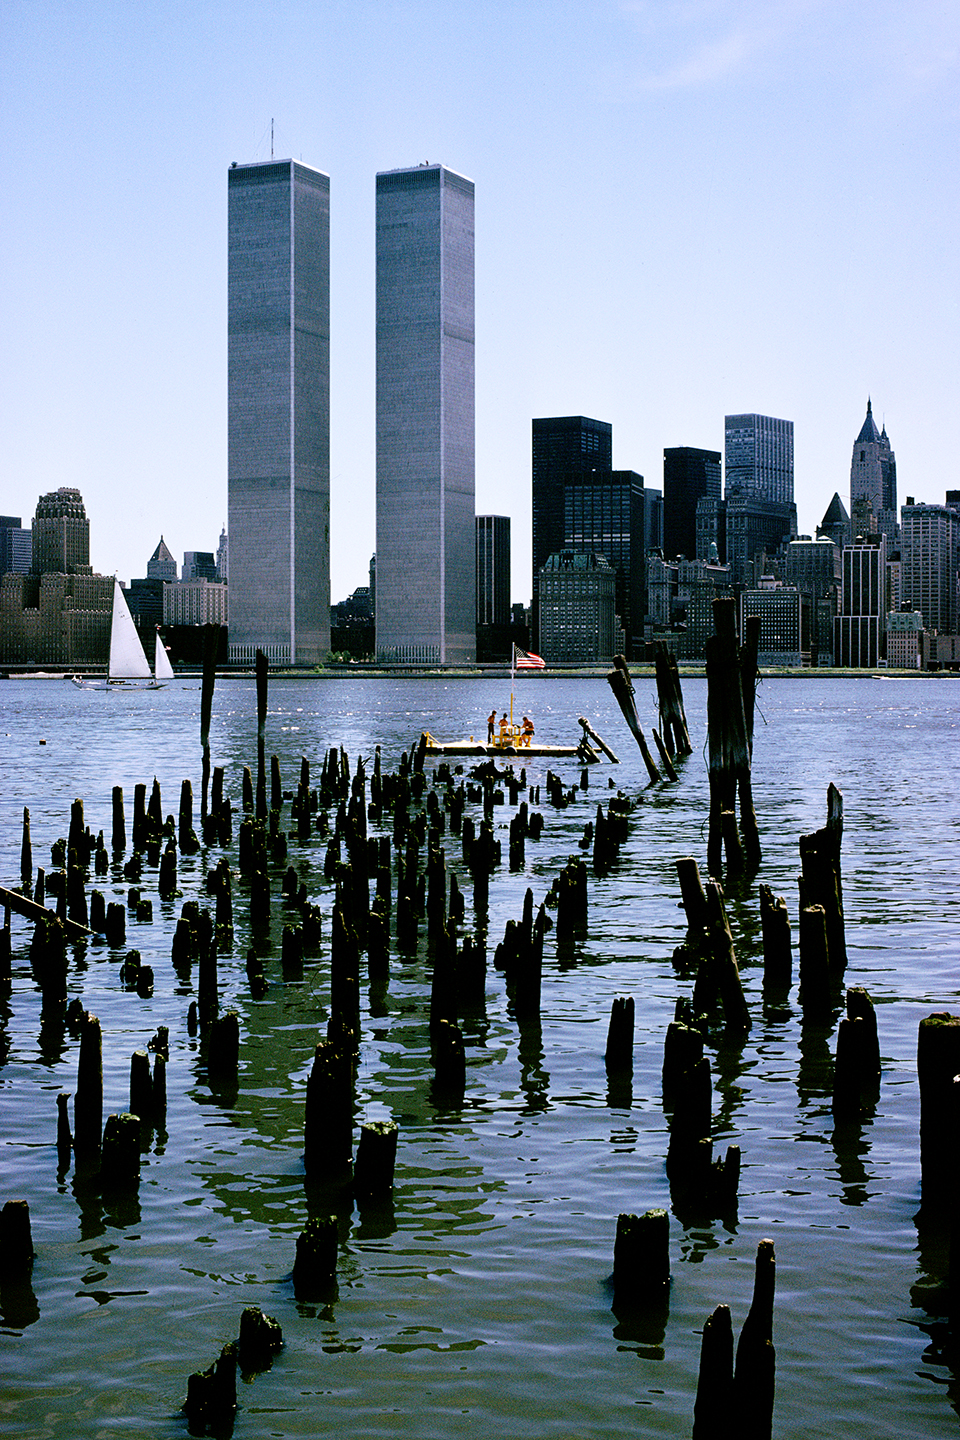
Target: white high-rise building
{"points": [[425, 605], [278, 411]]}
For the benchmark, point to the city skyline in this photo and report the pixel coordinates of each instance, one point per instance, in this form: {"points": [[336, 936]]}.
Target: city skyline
{"points": [[113, 376]]}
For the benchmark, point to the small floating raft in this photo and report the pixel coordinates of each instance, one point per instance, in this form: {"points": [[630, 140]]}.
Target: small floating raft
{"points": [[511, 746]]}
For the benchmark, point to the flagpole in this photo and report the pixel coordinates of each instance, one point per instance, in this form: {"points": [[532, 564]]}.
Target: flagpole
{"points": [[513, 657]]}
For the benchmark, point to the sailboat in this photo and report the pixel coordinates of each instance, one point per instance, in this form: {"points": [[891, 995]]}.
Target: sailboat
{"points": [[129, 667]]}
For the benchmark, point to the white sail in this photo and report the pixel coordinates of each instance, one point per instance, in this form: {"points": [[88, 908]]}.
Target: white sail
{"points": [[162, 668], [127, 659]]}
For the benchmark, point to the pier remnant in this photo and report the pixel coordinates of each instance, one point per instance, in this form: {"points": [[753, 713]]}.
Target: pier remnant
{"points": [[622, 686], [641, 1256]]}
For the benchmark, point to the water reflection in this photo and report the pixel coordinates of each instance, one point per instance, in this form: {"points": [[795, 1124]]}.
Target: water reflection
{"points": [[851, 1146]]}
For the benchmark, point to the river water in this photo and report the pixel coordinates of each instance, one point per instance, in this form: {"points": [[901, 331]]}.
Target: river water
{"points": [[480, 1304]]}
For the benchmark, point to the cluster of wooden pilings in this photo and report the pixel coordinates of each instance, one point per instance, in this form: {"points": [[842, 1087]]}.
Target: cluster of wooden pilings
{"points": [[386, 837]]}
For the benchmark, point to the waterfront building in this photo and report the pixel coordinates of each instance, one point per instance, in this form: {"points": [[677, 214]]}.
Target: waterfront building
{"points": [[784, 613], [16, 546], [61, 534], [814, 568], [578, 620], [699, 583], [55, 619], [493, 570], [603, 514], [161, 565], [873, 482], [278, 411], [195, 602], [661, 595], [426, 534], [930, 562], [859, 629], [564, 446], [689, 475], [904, 631], [940, 652]]}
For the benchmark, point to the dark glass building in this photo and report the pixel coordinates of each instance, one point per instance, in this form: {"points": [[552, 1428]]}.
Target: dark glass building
{"points": [[604, 514], [688, 476], [563, 446]]}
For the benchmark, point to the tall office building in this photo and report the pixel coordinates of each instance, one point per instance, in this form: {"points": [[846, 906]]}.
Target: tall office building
{"points": [[873, 481], [758, 457], [278, 410], [563, 446], [426, 545], [61, 534], [16, 546], [604, 514], [493, 569], [760, 511], [930, 564], [860, 627], [688, 476]]}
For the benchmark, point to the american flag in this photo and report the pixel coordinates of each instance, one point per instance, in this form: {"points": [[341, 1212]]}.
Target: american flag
{"points": [[524, 661]]}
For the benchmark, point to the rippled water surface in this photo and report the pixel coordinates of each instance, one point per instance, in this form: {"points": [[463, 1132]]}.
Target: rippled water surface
{"points": [[478, 1305]]}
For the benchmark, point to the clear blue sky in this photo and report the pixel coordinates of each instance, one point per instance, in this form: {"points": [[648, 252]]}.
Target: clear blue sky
{"points": [[684, 208]]}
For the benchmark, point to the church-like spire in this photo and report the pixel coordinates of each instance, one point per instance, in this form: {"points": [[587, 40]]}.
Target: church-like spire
{"points": [[869, 434]]}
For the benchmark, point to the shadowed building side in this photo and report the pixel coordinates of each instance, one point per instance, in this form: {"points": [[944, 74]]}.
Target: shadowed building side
{"points": [[279, 412]]}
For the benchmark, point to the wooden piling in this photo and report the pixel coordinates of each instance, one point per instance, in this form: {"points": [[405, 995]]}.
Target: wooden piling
{"points": [[88, 1102], [328, 1118], [713, 1415], [119, 832], [120, 1160], [618, 1056], [211, 640], [728, 740], [673, 719], [211, 1399], [315, 1266], [641, 1257], [777, 945], [16, 1242], [141, 1085], [223, 1052], [26, 853], [261, 1337], [815, 991], [620, 683], [754, 1380], [376, 1160], [938, 1065]]}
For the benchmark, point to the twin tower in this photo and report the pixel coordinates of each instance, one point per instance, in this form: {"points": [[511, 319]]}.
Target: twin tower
{"points": [[279, 414]]}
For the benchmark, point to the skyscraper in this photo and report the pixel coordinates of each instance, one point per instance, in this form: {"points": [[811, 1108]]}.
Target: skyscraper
{"points": [[760, 512], [759, 458], [859, 628], [563, 446], [61, 534], [278, 404], [930, 564], [873, 480], [493, 569], [603, 514], [688, 475], [426, 547]]}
